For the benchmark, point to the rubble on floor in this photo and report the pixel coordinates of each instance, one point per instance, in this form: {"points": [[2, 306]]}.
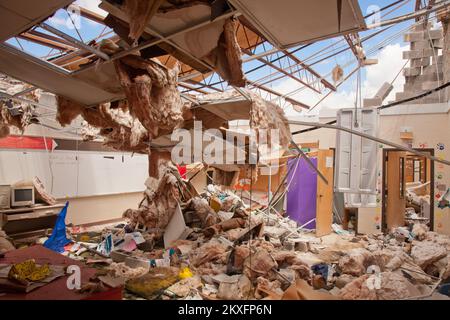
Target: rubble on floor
{"points": [[160, 201], [230, 253], [221, 248]]}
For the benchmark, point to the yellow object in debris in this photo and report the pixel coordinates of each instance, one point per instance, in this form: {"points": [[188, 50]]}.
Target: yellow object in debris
{"points": [[28, 270], [215, 204], [185, 273], [85, 238]]}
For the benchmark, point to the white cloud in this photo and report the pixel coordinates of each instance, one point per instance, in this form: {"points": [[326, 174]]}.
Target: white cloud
{"points": [[91, 5], [390, 61], [57, 21]]}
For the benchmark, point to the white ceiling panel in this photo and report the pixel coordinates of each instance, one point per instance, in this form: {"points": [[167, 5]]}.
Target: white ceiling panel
{"points": [[19, 15], [286, 23]]}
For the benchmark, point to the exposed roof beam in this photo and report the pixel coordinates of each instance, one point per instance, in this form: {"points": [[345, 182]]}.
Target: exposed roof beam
{"points": [[273, 66], [49, 37], [310, 70], [353, 40], [203, 85], [410, 16], [153, 42], [45, 42], [191, 87], [73, 41], [91, 15], [271, 91], [60, 60]]}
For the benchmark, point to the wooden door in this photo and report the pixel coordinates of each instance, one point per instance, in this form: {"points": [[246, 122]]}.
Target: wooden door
{"points": [[395, 192], [324, 202]]}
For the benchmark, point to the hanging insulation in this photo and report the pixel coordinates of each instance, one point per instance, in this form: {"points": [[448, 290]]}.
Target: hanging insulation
{"points": [[337, 73], [140, 13], [227, 56], [67, 110], [120, 130], [152, 93], [265, 115], [233, 54]]}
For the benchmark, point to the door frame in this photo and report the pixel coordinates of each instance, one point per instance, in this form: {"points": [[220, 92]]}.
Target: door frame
{"points": [[383, 185]]}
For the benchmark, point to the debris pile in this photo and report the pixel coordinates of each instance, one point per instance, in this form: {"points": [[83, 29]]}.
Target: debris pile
{"points": [[159, 203], [225, 249]]}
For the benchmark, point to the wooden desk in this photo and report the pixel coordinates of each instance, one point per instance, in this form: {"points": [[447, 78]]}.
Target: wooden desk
{"points": [[23, 221], [57, 289]]}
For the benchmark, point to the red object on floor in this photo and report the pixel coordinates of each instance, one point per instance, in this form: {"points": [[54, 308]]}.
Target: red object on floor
{"points": [[182, 170], [57, 289], [24, 142]]}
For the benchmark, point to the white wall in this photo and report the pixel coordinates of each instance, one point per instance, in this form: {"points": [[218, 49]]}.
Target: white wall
{"points": [[84, 210]]}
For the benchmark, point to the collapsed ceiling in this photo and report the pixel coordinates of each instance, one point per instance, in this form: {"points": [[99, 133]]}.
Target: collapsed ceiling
{"points": [[156, 49]]}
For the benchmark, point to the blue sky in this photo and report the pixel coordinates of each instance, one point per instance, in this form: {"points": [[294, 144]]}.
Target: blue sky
{"points": [[89, 30]]}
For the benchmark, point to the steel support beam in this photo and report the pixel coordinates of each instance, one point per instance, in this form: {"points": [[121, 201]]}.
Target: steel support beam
{"points": [[44, 41], [309, 69], [271, 91], [273, 66], [21, 93], [18, 99], [410, 16], [166, 38], [353, 40], [75, 42]]}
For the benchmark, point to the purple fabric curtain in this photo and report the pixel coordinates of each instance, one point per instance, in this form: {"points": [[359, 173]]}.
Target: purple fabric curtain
{"points": [[301, 196]]}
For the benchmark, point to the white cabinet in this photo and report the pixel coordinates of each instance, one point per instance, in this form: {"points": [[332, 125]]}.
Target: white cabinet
{"points": [[357, 157]]}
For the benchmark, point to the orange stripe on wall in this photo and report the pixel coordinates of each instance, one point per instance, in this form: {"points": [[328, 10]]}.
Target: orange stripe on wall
{"points": [[25, 142]]}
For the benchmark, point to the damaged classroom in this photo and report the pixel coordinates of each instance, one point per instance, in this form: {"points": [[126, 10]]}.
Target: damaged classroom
{"points": [[225, 150]]}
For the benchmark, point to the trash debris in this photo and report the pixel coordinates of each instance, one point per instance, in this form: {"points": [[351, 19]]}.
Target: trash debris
{"points": [[28, 270], [300, 290], [427, 252], [237, 287], [212, 245], [153, 283]]}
